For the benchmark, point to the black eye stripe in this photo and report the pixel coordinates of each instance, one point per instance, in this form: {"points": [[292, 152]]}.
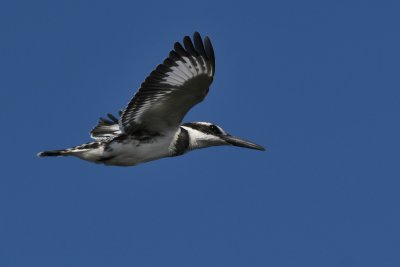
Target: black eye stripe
{"points": [[207, 129]]}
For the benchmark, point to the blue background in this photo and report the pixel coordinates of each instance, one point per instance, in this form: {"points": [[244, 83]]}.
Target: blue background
{"points": [[317, 83]]}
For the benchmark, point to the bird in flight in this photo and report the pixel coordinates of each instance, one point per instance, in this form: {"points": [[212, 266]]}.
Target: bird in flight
{"points": [[150, 127]]}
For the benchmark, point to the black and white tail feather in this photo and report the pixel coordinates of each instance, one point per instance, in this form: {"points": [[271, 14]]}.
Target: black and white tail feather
{"points": [[69, 151], [106, 129]]}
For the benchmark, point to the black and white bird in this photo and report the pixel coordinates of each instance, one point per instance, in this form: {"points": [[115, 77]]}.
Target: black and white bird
{"points": [[150, 127]]}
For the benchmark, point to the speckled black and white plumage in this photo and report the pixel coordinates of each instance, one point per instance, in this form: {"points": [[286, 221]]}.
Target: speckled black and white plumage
{"points": [[173, 88], [150, 126]]}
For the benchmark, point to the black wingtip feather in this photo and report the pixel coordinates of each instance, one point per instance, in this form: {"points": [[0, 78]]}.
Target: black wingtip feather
{"points": [[162, 68], [169, 62], [180, 50], [187, 42], [209, 51], [198, 44], [174, 55]]}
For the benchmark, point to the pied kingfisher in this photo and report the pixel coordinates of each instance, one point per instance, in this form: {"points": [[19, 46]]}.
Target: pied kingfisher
{"points": [[150, 128]]}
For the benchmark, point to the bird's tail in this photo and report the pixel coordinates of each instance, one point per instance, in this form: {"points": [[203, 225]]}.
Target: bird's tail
{"points": [[54, 153], [69, 151]]}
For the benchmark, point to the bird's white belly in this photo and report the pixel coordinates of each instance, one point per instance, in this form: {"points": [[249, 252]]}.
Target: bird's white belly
{"points": [[132, 152]]}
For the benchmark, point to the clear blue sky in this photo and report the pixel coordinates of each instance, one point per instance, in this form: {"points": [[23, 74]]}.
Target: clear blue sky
{"points": [[317, 83]]}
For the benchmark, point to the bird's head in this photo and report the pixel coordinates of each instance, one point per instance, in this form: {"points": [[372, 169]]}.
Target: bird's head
{"points": [[206, 134]]}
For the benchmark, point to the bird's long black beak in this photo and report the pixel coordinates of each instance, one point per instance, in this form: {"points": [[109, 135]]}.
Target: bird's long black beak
{"points": [[236, 141]]}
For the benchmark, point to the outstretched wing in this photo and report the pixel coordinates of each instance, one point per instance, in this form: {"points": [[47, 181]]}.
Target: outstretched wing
{"points": [[106, 128], [172, 89]]}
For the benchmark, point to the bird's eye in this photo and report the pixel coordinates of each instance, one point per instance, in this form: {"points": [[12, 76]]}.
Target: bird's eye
{"points": [[215, 129]]}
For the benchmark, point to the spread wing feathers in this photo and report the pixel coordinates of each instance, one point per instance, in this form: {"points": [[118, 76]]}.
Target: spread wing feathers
{"points": [[106, 128], [172, 89]]}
